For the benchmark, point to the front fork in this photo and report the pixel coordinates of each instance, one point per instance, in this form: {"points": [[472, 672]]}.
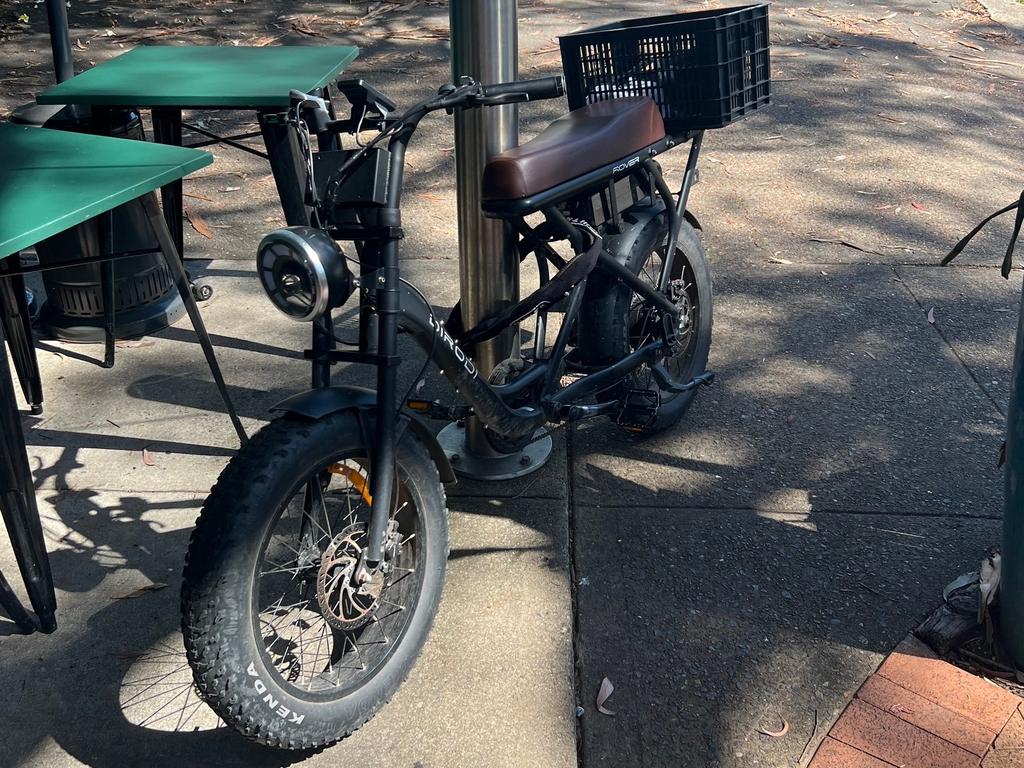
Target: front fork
{"points": [[379, 309]]}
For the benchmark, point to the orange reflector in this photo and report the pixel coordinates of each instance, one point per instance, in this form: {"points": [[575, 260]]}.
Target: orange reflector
{"points": [[355, 477], [418, 405]]}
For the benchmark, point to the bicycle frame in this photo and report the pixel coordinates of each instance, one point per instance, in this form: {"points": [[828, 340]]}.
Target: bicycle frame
{"points": [[387, 304]]}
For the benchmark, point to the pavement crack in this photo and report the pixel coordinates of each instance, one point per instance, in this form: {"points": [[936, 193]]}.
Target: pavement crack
{"points": [[577, 661], [949, 344], [809, 513]]}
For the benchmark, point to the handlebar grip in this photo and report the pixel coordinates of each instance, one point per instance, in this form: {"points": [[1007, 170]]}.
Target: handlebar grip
{"points": [[529, 90]]}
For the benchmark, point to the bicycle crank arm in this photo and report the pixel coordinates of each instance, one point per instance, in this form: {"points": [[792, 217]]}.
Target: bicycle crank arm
{"points": [[434, 409], [668, 384]]}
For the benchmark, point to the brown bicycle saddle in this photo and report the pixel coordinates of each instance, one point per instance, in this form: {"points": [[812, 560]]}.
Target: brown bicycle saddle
{"points": [[583, 140]]}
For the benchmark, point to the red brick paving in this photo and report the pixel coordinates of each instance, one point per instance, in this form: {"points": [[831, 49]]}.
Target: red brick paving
{"points": [[918, 711], [1012, 736], [913, 666], [835, 754], [885, 736]]}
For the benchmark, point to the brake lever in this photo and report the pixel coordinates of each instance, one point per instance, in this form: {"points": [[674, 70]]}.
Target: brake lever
{"points": [[317, 117]]}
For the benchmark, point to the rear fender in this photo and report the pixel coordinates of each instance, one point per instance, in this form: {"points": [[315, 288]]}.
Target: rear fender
{"points": [[634, 219]]}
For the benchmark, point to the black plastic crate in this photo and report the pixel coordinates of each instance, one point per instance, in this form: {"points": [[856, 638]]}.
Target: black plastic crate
{"points": [[704, 69]]}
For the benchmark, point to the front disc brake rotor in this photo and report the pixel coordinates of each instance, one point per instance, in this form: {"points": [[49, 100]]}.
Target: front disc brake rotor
{"points": [[345, 604]]}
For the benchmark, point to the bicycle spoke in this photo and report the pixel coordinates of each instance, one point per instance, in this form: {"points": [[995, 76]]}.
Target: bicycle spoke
{"points": [[304, 644]]}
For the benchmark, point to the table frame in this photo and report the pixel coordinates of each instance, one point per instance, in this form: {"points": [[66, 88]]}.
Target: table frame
{"points": [[287, 164], [17, 489]]}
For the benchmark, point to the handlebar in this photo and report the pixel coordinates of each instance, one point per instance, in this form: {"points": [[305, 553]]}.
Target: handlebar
{"points": [[522, 90], [313, 113]]}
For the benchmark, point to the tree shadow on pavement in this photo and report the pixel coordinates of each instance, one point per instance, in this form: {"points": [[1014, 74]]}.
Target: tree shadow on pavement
{"points": [[752, 564]]}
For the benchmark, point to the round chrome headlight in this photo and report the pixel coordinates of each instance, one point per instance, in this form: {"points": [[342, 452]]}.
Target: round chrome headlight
{"points": [[303, 272]]}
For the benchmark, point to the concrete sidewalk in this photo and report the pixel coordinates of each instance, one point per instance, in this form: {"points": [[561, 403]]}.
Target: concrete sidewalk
{"points": [[112, 686], [755, 564]]}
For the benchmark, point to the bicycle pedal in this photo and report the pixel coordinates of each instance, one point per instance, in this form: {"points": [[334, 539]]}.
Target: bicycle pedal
{"points": [[639, 409]]}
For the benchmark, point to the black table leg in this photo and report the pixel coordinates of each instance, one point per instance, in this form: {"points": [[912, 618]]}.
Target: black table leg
{"points": [[18, 505], [15, 610], [163, 237], [107, 286], [17, 327], [167, 130], [288, 166]]}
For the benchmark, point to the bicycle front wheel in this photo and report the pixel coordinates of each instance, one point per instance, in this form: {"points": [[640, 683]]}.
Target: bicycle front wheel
{"points": [[285, 644]]}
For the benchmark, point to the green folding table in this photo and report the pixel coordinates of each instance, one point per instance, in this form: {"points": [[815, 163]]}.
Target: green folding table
{"points": [[51, 181], [168, 79]]}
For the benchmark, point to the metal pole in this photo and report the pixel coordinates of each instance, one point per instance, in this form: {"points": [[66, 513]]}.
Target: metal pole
{"points": [[1011, 587], [60, 39], [485, 46]]}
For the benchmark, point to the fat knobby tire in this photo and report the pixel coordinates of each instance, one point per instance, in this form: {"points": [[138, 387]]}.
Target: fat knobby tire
{"points": [[604, 317], [229, 667]]}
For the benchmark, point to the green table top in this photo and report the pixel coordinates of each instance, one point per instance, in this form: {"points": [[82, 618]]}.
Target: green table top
{"points": [[52, 180], [198, 76]]}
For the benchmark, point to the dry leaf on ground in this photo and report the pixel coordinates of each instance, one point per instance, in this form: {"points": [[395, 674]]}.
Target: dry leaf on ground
{"points": [[147, 459], [776, 734], [602, 696], [198, 223], [156, 585]]}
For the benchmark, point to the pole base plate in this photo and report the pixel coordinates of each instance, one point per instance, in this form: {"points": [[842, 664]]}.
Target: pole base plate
{"points": [[493, 467]]}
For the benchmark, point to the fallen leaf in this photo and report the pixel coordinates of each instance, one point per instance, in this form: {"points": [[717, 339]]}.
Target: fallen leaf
{"points": [[776, 734], [134, 343], [199, 224], [23, 18], [147, 459], [777, 260], [156, 585], [602, 696], [918, 206], [891, 119], [230, 189], [973, 46], [128, 655], [839, 157], [931, 315], [845, 243], [305, 29]]}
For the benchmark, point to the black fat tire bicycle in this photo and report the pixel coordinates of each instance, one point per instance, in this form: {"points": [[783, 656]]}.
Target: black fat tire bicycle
{"points": [[317, 563]]}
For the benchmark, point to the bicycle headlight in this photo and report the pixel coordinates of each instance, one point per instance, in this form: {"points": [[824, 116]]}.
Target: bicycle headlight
{"points": [[303, 272]]}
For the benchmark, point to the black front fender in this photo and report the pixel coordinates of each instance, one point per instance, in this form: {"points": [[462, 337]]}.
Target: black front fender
{"points": [[318, 403]]}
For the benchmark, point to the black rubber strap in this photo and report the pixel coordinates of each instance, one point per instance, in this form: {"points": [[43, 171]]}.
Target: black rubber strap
{"points": [[1017, 224]]}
